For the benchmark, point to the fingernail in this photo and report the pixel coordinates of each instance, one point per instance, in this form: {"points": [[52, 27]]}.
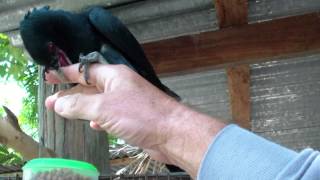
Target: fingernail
{"points": [[48, 102]]}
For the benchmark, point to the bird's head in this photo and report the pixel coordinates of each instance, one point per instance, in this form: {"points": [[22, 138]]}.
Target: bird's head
{"points": [[43, 40]]}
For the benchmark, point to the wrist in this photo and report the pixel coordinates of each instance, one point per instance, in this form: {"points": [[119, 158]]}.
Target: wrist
{"points": [[188, 134]]}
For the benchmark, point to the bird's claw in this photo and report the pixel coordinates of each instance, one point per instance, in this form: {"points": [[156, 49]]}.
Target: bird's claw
{"points": [[83, 67], [85, 61], [81, 59]]}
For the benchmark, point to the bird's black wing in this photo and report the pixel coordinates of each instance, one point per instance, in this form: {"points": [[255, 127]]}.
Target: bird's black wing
{"points": [[117, 34]]}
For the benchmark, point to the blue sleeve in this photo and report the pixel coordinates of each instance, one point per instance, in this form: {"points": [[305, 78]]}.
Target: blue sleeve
{"points": [[236, 153]]}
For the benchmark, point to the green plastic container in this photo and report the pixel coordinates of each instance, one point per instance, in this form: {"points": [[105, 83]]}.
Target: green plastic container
{"points": [[60, 169]]}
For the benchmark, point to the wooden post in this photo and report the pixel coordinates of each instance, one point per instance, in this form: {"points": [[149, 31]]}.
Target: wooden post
{"points": [[235, 13], [239, 91], [72, 139], [231, 12]]}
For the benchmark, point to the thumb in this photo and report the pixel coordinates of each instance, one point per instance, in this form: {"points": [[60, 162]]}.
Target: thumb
{"points": [[79, 106]]}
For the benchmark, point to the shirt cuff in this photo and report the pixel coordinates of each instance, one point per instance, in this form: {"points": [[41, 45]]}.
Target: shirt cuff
{"points": [[236, 153]]}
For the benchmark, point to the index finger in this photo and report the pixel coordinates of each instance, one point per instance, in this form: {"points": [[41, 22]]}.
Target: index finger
{"points": [[97, 73]]}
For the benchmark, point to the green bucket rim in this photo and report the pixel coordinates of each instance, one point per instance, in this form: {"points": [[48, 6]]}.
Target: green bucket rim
{"points": [[41, 163]]}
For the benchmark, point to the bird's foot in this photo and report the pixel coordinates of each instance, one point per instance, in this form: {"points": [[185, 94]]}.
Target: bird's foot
{"points": [[85, 61]]}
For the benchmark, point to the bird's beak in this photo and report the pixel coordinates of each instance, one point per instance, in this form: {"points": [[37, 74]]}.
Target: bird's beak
{"points": [[63, 59]]}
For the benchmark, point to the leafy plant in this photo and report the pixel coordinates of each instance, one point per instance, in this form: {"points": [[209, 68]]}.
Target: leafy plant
{"points": [[1, 112], [15, 65], [9, 157]]}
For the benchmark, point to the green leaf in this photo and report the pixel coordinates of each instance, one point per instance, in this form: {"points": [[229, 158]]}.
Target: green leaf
{"points": [[3, 149], [15, 65]]}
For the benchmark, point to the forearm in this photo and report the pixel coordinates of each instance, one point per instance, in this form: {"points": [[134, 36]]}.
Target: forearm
{"points": [[202, 145], [189, 134]]}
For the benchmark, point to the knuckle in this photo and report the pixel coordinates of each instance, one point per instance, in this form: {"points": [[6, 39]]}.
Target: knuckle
{"points": [[125, 71]]}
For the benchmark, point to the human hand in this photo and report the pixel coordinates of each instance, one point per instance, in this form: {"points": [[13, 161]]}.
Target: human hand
{"points": [[122, 103], [118, 101]]}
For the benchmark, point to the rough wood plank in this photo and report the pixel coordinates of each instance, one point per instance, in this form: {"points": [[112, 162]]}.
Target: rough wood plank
{"points": [[246, 44], [232, 12], [239, 90]]}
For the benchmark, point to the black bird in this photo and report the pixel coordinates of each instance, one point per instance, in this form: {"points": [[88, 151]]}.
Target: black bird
{"points": [[56, 38]]}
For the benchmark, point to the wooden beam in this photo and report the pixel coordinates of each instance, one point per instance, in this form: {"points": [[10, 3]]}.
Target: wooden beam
{"points": [[246, 44], [231, 12], [235, 13], [239, 91]]}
